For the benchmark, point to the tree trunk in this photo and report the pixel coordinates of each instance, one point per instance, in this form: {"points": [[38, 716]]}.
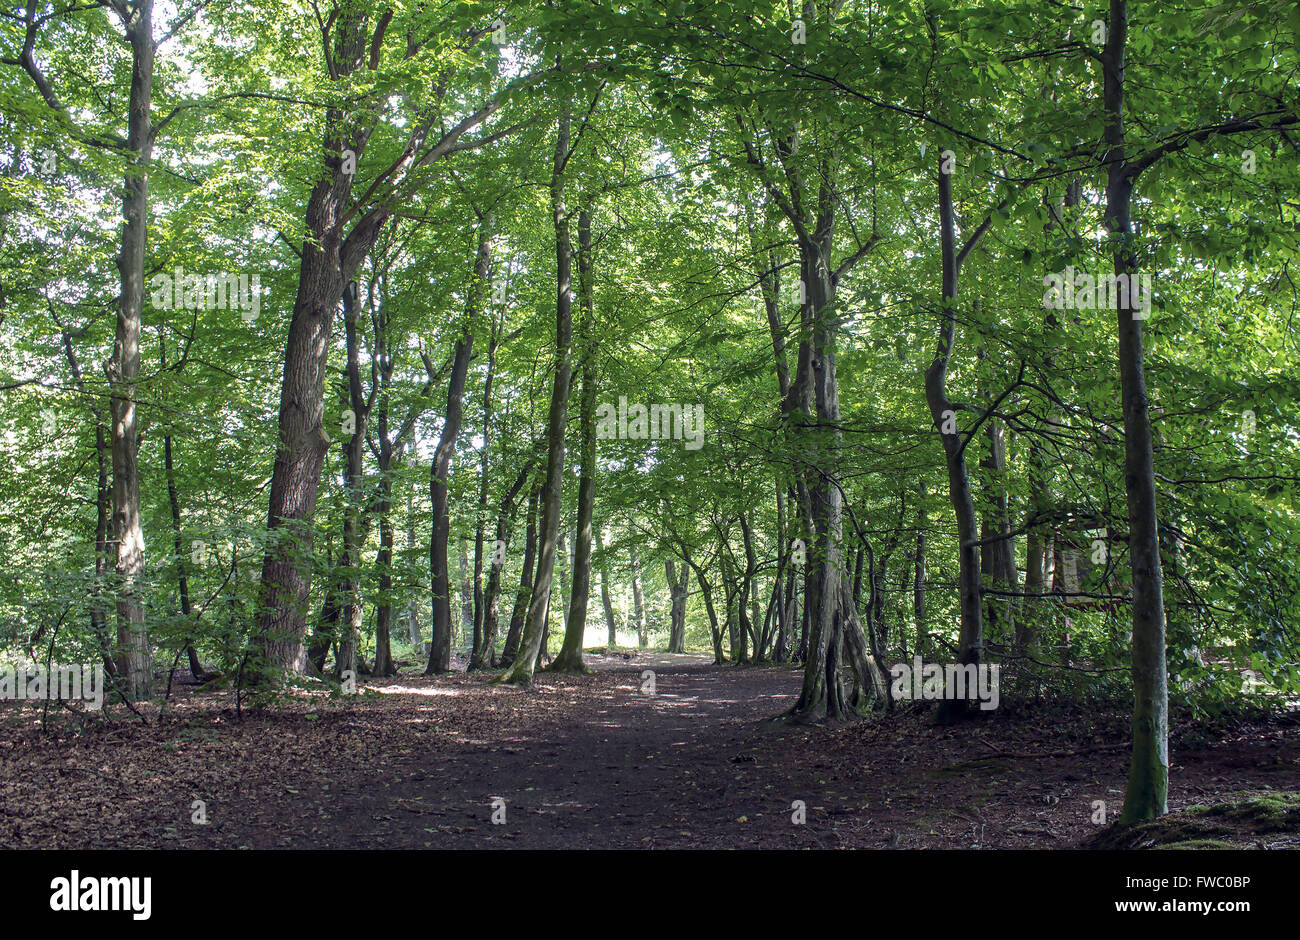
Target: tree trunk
{"points": [[483, 656], [440, 469], [822, 695], [638, 600], [521, 672], [1146, 796], [918, 581], [134, 663], [943, 413], [715, 632], [523, 598], [610, 624], [997, 548], [480, 522], [569, 658], [384, 665], [677, 591], [345, 665], [466, 600], [197, 672], [295, 479]]}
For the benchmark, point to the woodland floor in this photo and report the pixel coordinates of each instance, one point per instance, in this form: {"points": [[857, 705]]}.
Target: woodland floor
{"points": [[596, 763]]}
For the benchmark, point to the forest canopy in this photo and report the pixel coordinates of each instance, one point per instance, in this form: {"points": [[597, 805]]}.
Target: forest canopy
{"points": [[353, 334]]}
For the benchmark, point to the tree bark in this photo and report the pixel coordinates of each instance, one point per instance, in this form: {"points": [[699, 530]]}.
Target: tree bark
{"points": [[677, 591], [134, 662], [440, 469], [1146, 796], [942, 412], [345, 664], [638, 600], [610, 624], [476, 651], [483, 656], [524, 596], [569, 659], [918, 581], [521, 672]]}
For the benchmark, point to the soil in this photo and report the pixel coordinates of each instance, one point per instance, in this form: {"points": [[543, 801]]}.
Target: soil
{"points": [[603, 761]]}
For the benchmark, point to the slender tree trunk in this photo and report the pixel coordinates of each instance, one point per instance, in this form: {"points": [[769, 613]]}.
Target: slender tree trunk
{"points": [[677, 586], [997, 550], [103, 545], [1148, 782], [523, 599], [610, 623], [466, 600], [323, 636], [521, 672], [412, 608], [715, 632], [353, 452], [918, 581], [638, 600], [103, 514], [569, 658], [481, 520], [384, 665], [197, 671], [440, 469], [483, 656], [943, 413]]}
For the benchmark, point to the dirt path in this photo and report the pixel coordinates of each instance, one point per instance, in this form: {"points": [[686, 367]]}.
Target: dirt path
{"points": [[594, 762]]}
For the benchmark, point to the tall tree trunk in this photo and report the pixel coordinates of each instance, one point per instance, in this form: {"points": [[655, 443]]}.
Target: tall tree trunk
{"points": [[480, 522], [134, 664], [780, 651], [384, 665], [295, 479], [440, 469], [822, 694], [466, 600], [346, 662], [412, 608], [523, 599], [943, 413], [521, 672], [569, 658], [1148, 781], [563, 565], [746, 587]]}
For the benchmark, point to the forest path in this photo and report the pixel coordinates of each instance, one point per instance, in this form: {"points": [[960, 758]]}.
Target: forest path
{"points": [[619, 767], [589, 762]]}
